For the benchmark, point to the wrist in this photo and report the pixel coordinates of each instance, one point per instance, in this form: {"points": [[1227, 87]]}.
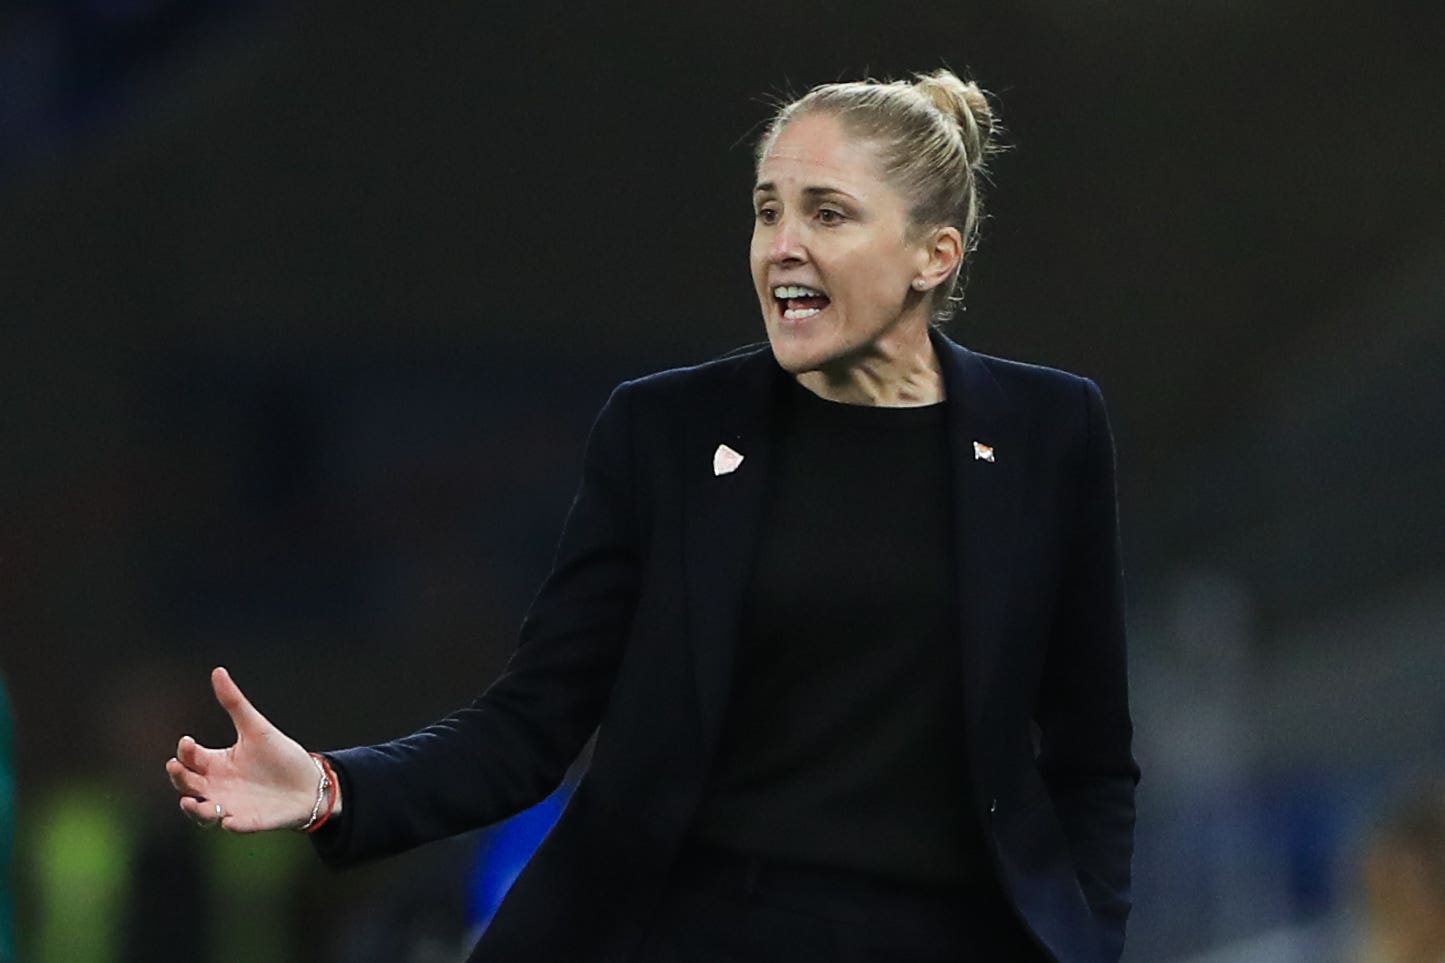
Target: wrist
{"points": [[327, 802]]}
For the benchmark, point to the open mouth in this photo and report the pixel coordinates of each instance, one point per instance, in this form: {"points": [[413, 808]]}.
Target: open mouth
{"points": [[797, 302]]}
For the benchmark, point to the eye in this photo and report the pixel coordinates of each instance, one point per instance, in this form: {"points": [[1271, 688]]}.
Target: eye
{"points": [[767, 214], [829, 215]]}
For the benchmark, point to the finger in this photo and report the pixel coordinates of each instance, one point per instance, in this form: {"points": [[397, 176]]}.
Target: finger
{"points": [[188, 807], [203, 812], [243, 715], [193, 755], [187, 782]]}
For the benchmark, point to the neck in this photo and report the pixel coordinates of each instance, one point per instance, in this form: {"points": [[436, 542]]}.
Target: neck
{"points": [[894, 372]]}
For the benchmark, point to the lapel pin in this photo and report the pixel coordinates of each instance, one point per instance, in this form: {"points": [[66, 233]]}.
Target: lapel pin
{"points": [[725, 461], [982, 452]]}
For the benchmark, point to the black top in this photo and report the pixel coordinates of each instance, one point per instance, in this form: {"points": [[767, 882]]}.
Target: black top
{"points": [[844, 740]]}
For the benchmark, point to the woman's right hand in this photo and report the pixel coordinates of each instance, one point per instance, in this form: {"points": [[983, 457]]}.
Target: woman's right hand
{"points": [[266, 780]]}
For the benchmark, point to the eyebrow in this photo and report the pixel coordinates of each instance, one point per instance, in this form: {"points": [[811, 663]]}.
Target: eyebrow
{"points": [[768, 187]]}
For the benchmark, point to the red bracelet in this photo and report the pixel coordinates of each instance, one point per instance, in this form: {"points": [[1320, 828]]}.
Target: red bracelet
{"points": [[327, 795]]}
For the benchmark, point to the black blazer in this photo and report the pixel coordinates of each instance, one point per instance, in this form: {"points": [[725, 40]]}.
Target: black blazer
{"points": [[635, 628]]}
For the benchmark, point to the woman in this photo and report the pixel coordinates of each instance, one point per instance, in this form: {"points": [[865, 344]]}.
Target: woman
{"points": [[847, 609]]}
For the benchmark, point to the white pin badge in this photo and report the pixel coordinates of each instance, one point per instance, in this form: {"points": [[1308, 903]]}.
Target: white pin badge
{"points": [[982, 452], [725, 461]]}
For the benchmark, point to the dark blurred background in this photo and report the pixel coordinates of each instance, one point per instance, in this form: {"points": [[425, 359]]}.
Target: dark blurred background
{"points": [[305, 311]]}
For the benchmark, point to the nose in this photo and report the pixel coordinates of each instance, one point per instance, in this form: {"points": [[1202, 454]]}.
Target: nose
{"points": [[786, 245]]}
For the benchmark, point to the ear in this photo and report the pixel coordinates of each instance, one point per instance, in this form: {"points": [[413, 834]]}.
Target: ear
{"points": [[940, 254]]}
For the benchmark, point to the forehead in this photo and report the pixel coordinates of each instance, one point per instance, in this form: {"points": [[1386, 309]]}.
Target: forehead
{"points": [[815, 150]]}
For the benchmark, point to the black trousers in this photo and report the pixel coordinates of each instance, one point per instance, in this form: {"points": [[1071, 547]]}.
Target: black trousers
{"points": [[731, 908]]}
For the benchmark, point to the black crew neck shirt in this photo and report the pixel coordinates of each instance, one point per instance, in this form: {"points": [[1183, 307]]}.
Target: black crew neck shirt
{"points": [[843, 744]]}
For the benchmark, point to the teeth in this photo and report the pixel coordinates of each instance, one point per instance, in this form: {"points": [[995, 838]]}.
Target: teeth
{"points": [[798, 314], [795, 291]]}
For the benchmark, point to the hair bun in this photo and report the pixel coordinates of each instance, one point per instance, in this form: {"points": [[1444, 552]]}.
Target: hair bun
{"points": [[966, 104]]}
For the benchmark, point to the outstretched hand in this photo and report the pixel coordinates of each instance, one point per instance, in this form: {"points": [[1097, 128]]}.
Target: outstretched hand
{"points": [[266, 780]]}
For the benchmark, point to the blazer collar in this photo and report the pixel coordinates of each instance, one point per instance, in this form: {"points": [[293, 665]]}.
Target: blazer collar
{"points": [[970, 389]]}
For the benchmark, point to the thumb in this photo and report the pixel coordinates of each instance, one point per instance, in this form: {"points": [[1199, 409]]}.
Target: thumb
{"points": [[243, 715]]}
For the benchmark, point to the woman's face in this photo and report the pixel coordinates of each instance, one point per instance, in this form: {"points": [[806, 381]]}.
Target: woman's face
{"points": [[831, 256]]}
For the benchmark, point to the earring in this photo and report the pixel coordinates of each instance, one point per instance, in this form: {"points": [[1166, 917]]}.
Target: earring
{"points": [[918, 284]]}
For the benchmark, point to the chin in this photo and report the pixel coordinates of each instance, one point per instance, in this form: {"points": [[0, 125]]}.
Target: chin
{"points": [[795, 357], [818, 350]]}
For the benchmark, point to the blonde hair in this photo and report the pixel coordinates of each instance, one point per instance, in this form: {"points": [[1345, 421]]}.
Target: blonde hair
{"points": [[934, 135]]}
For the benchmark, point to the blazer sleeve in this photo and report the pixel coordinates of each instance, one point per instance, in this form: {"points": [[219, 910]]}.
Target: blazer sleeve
{"points": [[513, 744], [1086, 733]]}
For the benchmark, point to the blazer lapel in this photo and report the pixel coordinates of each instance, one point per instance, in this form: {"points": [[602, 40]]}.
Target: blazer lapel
{"points": [[724, 516], [988, 447]]}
